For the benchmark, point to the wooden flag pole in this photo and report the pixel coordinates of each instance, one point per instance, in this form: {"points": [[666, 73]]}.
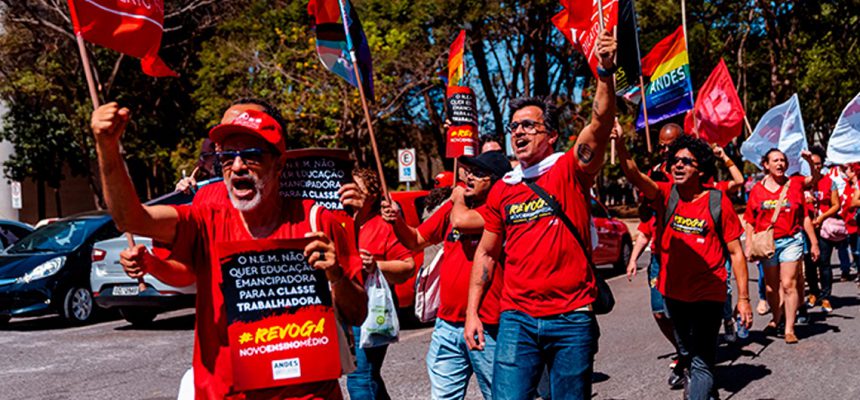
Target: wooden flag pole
{"points": [[94, 97], [456, 172], [645, 112], [379, 169], [747, 123], [602, 26]]}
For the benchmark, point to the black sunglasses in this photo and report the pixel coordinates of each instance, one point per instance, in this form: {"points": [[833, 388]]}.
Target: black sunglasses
{"points": [[687, 161], [251, 157], [478, 173]]}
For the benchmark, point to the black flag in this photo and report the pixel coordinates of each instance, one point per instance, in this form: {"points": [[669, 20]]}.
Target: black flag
{"points": [[628, 58]]}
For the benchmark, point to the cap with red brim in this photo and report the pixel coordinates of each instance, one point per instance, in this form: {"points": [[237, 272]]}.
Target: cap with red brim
{"points": [[251, 122]]}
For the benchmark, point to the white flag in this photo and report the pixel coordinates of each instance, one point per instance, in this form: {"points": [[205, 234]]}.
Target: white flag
{"points": [[781, 127], [844, 145]]}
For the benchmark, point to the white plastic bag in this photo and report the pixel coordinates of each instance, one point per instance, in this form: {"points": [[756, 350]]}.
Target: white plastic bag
{"points": [[381, 326]]}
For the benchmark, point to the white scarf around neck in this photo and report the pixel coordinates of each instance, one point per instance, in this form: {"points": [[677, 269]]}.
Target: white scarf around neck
{"points": [[518, 174]]}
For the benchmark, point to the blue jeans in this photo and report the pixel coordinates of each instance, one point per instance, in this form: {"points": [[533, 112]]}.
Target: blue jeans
{"points": [[657, 306], [728, 307], [762, 291], [697, 327], [450, 364], [366, 383], [565, 344]]}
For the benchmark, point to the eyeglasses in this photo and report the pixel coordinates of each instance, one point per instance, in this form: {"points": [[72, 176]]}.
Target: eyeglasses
{"points": [[529, 126], [251, 157], [687, 161]]}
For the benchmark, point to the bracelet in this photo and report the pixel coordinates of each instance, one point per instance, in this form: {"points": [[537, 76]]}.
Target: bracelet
{"points": [[730, 163], [606, 73], [744, 298]]}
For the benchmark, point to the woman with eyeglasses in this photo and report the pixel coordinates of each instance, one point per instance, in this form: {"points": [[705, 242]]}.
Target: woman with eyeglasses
{"points": [[781, 271], [697, 231]]}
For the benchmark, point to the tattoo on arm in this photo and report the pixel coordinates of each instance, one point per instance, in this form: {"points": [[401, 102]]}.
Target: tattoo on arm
{"points": [[584, 153], [485, 275]]}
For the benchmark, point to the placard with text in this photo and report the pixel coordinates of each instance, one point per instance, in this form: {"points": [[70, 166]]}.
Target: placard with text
{"points": [[317, 174], [462, 137], [280, 320]]}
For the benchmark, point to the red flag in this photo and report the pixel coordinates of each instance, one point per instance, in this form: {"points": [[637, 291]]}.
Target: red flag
{"points": [[579, 23], [133, 28], [718, 115], [455, 59]]}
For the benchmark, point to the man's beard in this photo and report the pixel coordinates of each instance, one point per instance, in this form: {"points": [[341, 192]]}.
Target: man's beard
{"points": [[247, 204]]}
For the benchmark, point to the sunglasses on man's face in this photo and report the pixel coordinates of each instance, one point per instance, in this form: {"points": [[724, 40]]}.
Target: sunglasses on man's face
{"points": [[478, 173], [251, 157], [687, 161]]}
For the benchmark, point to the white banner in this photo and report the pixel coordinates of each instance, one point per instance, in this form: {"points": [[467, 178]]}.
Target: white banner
{"points": [[781, 127], [844, 145]]}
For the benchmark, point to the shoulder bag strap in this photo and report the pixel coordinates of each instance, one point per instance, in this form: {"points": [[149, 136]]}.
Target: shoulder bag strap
{"points": [[556, 209], [779, 203]]}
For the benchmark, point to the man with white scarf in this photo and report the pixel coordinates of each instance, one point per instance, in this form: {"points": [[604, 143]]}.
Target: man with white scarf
{"points": [[547, 318]]}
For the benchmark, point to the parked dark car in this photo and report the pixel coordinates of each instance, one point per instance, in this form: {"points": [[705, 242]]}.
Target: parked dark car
{"points": [[48, 271], [12, 231]]}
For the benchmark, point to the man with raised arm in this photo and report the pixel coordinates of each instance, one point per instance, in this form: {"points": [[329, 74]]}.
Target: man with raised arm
{"points": [[548, 290], [251, 151]]}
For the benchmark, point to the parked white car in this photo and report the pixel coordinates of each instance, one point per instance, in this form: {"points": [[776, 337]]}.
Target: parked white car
{"points": [[112, 288]]}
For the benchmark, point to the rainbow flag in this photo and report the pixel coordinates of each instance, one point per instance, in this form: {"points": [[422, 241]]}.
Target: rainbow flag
{"points": [[338, 31], [455, 59], [670, 91]]}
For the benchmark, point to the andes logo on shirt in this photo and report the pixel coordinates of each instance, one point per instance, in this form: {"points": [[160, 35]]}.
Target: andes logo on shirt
{"points": [[771, 204], [686, 225], [527, 211]]}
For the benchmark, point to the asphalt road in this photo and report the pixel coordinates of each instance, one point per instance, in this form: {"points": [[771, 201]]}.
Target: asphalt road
{"points": [[43, 359]]}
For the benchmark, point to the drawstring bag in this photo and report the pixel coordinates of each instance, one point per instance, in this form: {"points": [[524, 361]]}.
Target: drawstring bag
{"points": [[381, 326]]}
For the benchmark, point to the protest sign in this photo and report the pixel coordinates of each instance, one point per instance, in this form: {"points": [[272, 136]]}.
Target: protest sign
{"points": [[317, 174], [281, 325], [463, 114]]}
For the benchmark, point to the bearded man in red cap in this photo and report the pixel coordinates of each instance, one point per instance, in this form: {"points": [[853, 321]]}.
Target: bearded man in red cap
{"points": [[251, 150]]}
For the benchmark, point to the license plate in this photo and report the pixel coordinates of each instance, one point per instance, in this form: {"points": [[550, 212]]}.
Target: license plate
{"points": [[126, 290]]}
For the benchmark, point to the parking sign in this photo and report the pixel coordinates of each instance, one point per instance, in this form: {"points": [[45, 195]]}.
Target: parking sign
{"points": [[406, 165]]}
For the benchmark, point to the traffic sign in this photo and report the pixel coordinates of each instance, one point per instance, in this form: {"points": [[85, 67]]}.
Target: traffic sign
{"points": [[16, 195], [406, 165]]}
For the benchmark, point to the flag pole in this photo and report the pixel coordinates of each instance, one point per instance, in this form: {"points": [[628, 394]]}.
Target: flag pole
{"points": [[602, 26], [357, 69], [645, 111], [94, 97], [747, 123], [379, 169], [456, 172]]}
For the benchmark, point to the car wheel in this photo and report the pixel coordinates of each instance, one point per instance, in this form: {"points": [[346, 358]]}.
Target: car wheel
{"points": [[623, 255], [137, 316], [78, 305]]}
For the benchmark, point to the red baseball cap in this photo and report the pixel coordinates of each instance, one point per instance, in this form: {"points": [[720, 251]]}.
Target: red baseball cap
{"points": [[443, 179], [251, 122]]}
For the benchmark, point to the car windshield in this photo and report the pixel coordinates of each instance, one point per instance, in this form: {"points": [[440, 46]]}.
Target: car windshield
{"points": [[56, 237]]}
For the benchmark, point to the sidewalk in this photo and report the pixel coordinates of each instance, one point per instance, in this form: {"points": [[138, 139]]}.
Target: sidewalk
{"points": [[633, 359]]}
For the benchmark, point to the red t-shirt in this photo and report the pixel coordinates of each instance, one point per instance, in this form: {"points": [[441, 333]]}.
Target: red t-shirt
{"points": [[647, 228], [762, 204], [722, 186], [213, 193], [847, 212], [693, 264], [377, 237], [545, 268], [823, 193], [200, 228], [455, 266]]}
